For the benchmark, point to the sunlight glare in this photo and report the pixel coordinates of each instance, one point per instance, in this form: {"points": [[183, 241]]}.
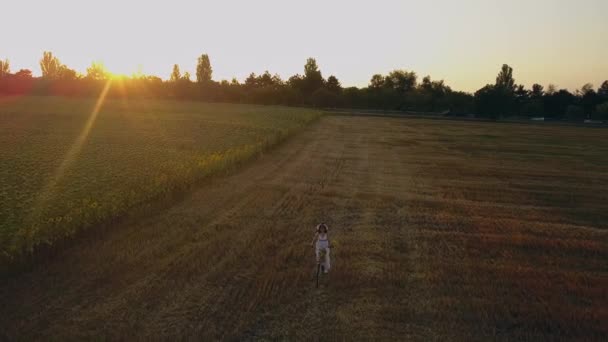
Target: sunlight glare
{"points": [[71, 155]]}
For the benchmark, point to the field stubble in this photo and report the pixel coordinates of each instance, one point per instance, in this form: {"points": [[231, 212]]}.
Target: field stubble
{"points": [[482, 237]]}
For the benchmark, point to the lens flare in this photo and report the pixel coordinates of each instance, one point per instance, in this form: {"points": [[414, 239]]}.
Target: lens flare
{"points": [[46, 194]]}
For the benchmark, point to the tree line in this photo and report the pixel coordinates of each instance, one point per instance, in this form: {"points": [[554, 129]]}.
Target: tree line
{"points": [[399, 90]]}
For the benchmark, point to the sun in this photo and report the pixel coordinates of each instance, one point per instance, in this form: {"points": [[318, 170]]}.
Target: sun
{"points": [[124, 70], [100, 70], [115, 76]]}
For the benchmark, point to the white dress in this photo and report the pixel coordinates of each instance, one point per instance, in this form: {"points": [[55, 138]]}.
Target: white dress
{"points": [[323, 245]]}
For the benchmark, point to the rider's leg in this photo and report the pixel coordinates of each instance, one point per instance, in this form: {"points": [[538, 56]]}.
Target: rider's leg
{"points": [[317, 252], [327, 264]]}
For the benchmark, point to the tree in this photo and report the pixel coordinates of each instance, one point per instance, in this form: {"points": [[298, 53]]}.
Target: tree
{"points": [[589, 98], [603, 91], [460, 102], [182, 85], [575, 112], [376, 82], [53, 69], [313, 79], [24, 73], [537, 91], [265, 80], [277, 81], [311, 68], [203, 69], [97, 71], [487, 102], [439, 90], [296, 82], [426, 84], [333, 85], [251, 81], [587, 88], [534, 107], [5, 68], [601, 111], [498, 99], [50, 65], [176, 75], [551, 89], [430, 94], [556, 103], [505, 80], [522, 98], [521, 92], [66, 73], [401, 80], [322, 97]]}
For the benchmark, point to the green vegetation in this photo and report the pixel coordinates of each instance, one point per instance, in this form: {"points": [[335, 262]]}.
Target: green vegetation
{"points": [[51, 185]]}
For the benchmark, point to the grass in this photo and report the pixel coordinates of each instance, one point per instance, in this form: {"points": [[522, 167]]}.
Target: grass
{"points": [[441, 233], [512, 230], [52, 186]]}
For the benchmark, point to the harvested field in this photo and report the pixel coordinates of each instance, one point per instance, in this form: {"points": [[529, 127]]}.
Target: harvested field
{"points": [[440, 231]]}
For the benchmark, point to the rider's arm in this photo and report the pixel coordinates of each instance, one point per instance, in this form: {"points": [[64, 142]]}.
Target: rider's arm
{"points": [[314, 239]]}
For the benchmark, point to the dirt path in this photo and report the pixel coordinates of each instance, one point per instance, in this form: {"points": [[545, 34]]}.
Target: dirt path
{"points": [[234, 261]]}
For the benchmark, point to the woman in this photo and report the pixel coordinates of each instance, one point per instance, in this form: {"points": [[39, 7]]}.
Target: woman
{"points": [[321, 243]]}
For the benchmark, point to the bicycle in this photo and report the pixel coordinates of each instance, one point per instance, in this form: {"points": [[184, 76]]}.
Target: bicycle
{"points": [[320, 264]]}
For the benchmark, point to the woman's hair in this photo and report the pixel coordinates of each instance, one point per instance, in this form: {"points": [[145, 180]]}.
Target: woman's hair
{"points": [[322, 226]]}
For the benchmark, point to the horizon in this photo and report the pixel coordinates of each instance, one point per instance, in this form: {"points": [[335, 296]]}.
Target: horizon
{"points": [[129, 38]]}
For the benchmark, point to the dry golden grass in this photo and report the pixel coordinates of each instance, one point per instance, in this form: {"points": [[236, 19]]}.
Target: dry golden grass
{"points": [[441, 230]]}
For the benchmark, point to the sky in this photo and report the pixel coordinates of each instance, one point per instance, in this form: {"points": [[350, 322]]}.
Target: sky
{"points": [[464, 42]]}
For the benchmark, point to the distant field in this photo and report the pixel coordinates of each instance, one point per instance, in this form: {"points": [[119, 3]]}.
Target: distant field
{"points": [[56, 179], [440, 230]]}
